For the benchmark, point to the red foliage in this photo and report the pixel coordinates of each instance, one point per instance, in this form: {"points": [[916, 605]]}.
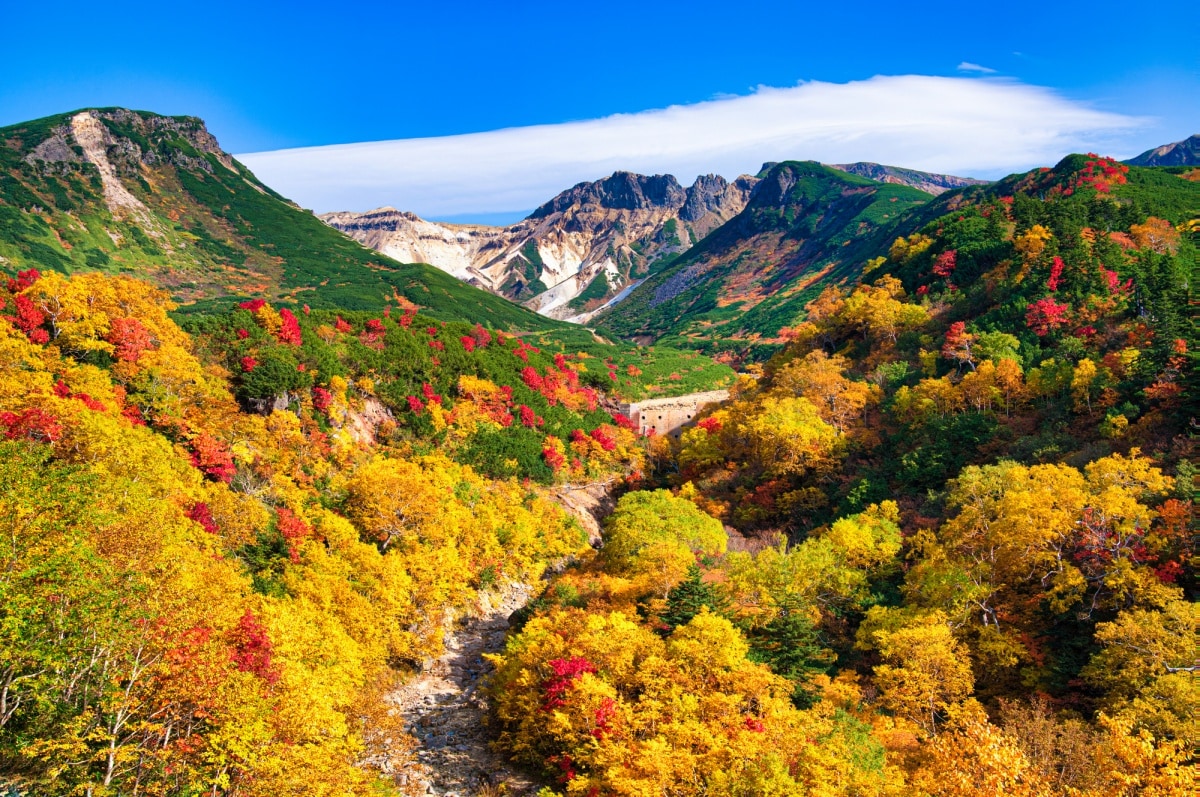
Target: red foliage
{"points": [[1099, 173], [61, 390], [578, 436], [134, 415], [306, 309], [1045, 315], [243, 334], [322, 399], [28, 318], [1169, 572], [416, 405], [289, 330], [467, 342], [32, 424], [1056, 270], [553, 458], [407, 319], [24, 280], [567, 765], [945, 263], [210, 456], [253, 305], [430, 396], [921, 291], [532, 379], [528, 417], [89, 402], [293, 530], [566, 672], [604, 717], [342, 325], [560, 362], [482, 336], [248, 364], [604, 436], [203, 515], [375, 325], [130, 338], [754, 724], [622, 421], [710, 425], [437, 345], [252, 648]]}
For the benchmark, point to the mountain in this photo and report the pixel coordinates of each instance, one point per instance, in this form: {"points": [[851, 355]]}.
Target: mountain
{"points": [[805, 225], [572, 254], [156, 197], [1181, 153], [929, 183]]}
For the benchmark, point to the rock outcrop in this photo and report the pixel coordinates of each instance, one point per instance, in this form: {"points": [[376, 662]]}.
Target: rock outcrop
{"points": [[574, 253]]}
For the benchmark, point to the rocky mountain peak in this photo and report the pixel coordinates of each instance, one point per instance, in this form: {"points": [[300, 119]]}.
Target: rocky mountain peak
{"points": [[1181, 153], [132, 139], [620, 191]]}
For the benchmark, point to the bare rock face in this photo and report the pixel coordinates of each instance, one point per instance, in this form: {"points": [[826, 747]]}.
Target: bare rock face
{"points": [[574, 253]]}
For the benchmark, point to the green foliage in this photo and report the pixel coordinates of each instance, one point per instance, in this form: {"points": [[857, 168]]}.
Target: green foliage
{"points": [[790, 644]]}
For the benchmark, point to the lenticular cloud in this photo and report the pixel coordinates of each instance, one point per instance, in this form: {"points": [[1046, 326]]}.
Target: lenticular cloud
{"points": [[970, 127]]}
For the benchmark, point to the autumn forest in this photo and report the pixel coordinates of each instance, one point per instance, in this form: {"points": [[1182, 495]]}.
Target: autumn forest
{"points": [[939, 540]]}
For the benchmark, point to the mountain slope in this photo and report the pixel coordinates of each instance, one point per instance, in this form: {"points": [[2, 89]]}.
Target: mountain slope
{"points": [[805, 225], [1181, 153], [573, 253], [929, 183], [154, 196]]}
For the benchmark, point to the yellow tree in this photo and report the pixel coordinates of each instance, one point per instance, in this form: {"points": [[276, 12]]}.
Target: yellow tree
{"points": [[926, 672]]}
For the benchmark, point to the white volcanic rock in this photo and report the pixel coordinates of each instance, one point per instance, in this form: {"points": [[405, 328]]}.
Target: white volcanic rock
{"points": [[616, 227]]}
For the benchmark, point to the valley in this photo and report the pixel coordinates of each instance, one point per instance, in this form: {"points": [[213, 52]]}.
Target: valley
{"points": [[859, 481]]}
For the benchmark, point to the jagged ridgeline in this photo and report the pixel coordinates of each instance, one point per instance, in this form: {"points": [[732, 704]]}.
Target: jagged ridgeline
{"points": [[573, 253], [155, 197]]}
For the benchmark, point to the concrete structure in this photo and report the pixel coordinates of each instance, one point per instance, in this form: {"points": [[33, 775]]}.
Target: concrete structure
{"points": [[670, 415]]}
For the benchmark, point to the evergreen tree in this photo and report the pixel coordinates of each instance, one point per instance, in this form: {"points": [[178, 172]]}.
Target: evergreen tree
{"points": [[688, 597], [790, 644]]}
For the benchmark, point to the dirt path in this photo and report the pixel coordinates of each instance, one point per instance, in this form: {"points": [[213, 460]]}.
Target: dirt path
{"points": [[445, 712]]}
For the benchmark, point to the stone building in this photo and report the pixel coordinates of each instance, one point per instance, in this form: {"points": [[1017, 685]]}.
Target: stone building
{"points": [[668, 416]]}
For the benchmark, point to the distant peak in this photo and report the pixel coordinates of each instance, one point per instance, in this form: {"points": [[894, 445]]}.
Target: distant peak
{"points": [[1180, 153], [925, 181]]}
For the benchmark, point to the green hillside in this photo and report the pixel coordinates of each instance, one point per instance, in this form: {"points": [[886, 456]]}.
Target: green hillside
{"points": [[806, 224], [198, 224]]}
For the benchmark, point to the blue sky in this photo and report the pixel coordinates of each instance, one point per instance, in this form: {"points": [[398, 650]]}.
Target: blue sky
{"points": [[286, 75]]}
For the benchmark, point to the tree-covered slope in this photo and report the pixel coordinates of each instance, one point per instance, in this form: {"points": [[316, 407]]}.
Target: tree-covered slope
{"points": [[154, 196], [805, 225]]}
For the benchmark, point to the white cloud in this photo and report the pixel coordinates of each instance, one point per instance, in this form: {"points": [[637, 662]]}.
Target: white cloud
{"points": [[970, 127], [967, 66]]}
